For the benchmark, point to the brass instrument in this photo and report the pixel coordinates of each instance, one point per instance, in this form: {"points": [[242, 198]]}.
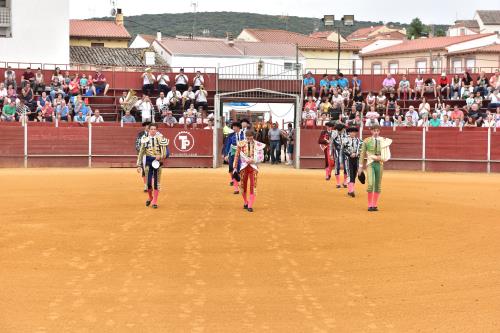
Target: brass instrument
{"points": [[130, 101]]}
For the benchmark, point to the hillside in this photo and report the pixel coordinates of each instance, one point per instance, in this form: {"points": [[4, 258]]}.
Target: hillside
{"points": [[218, 23]]}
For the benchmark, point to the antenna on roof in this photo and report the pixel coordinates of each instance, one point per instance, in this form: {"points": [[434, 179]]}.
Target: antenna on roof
{"points": [[113, 8]]}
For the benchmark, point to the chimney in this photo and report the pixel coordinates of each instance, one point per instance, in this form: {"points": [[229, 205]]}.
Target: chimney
{"points": [[229, 38], [158, 36], [119, 17]]}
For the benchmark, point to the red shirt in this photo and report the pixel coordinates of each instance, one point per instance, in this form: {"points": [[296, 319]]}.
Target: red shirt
{"points": [[443, 81], [99, 78]]}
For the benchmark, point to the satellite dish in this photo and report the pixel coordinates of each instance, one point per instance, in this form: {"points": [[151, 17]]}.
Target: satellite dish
{"points": [[113, 12]]}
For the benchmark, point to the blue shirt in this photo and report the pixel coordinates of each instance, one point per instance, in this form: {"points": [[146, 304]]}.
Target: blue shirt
{"points": [[334, 83], [356, 82], [309, 81], [324, 83], [343, 82], [63, 111], [232, 142]]}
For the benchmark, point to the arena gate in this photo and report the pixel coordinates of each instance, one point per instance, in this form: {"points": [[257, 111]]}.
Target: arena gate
{"points": [[258, 82]]}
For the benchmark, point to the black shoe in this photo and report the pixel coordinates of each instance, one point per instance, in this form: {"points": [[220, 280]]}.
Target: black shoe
{"points": [[370, 209], [145, 190], [338, 186], [375, 209], [155, 206], [245, 206], [250, 210], [351, 194], [328, 178], [231, 183], [345, 186], [236, 192], [148, 203]]}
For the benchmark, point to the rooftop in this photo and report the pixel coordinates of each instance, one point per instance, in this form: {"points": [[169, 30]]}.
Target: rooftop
{"points": [[490, 17], [97, 29], [363, 33], [110, 56]]}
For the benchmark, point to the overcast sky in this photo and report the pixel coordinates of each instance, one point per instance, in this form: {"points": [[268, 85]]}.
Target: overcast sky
{"points": [[429, 11]]}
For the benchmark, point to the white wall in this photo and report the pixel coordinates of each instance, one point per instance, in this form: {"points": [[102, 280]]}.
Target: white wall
{"points": [[474, 43], [139, 43], [452, 32], [378, 44], [204, 61], [37, 43]]}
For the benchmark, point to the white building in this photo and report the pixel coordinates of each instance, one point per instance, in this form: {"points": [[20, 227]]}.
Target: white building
{"points": [[20, 22], [191, 53], [484, 22], [143, 41]]}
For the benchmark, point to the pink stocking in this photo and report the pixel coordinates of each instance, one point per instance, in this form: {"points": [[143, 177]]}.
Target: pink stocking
{"points": [[245, 200], [155, 197], [370, 199], [251, 201], [235, 184], [150, 194], [345, 179], [375, 199], [337, 177]]}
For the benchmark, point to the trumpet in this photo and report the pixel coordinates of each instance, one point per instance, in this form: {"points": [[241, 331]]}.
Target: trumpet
{"points": [[130, 101]]}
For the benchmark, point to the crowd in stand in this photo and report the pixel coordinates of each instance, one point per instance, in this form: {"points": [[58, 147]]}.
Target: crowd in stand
{"points": [[337, 98], [62, 97], [180, 101]]}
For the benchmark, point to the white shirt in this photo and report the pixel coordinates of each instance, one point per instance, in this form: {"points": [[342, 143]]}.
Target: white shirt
{"points": [[201, 96], [95, 119], [188, 94], [419, 83], [181, 79], [161, 103], [198, 81], [146, 80], [163, 79], [424, 108], [146, 108], [3, 92], [171, 94], [337, 99]]}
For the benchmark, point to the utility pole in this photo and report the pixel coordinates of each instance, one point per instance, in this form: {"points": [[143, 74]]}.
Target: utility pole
{"points": [[194, 4]]}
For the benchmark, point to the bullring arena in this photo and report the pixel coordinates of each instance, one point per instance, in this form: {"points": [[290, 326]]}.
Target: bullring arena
{"points": [[81, 252]]}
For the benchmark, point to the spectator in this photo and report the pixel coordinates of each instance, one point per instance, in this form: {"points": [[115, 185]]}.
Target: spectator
{"points": [[27, 94], [389, 84], [391, 103], [100, 82], [409, 122], [372, 117], [3, 93], [198, 81], [430, 86], [210, 125], [444, 85], [28, 77], [10, 77], [201, 99], [189, 116], [128, 118], [456, 123], [495, 81], [358, 103], [370, 101], [148, 82], [62, 112], [56, 88], [309, 85], [84, 83], [11, 94], [57, 74], [66, 80], [23, 112], [445, 122], [81, 106], [404, 87], [174, 98], [39, 86], [169, 119], [356, 85], [419, 86], [58, 101], [311, 104], [478, 99], [275, 142], [424, 122], [397, 113], [381, 103], [290, 143], [309, 117], [187, 98], [398, 122], [96, 118], [482, 84], [413, 115], [490, 121], [74, 87], [146, 109], [90, 87], [471, 122], [456, 114], [346, 94], [80, 118], [469, 100], [497, 116], [122, 100], [386, 122], [40, 103], [48, 112], [162, 104], [324, 86], [9, 112], [424, 108], [342, 82], [334, 84], [181, 81], [474, 112], [337, 106], [455, 86], [435, 121], [494, 99], [163, 82], [466, 85], [322, 119], [325, 106]]}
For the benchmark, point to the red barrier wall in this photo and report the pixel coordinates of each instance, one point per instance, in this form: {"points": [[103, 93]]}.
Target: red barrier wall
{"points": [[11, 146], [495, 151]]}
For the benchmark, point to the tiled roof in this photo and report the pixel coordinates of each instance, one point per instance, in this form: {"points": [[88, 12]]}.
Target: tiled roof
{"points": [[494, 48], [424, 44], [490, 17], [110, 56], [472, 24], [97, 29], [363, 33], [148, 38], [221, 48], [304, 42], [320, 34]]}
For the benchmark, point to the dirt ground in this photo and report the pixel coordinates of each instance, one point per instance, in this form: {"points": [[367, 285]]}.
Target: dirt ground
{"points": [[79, 252]]}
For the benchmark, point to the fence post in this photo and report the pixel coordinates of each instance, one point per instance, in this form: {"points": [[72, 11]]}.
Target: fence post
{"points": [[423, 147], [90, 144], [488, 153], [298, 121], [26, 144]]}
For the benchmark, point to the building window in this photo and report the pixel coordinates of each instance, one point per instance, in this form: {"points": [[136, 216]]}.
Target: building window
{"points": [[377, 68], [96, 44], [421, 66], [457, 65], [393, 67], [5, 19], [470, 64], [436, 65]]}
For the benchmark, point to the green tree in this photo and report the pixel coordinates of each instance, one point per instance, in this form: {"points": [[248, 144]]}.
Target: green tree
{"points": [[416, 29], [440, 32]]}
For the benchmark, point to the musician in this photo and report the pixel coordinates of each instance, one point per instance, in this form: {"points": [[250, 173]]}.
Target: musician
{"points": [[123, 99], [198, 81], [162, 104], [374, 152], [148, 82], [351, 149], [248, 154], [188, 98], [163, 82], [174, 98], [338, 137], [229, 152], [153, 150], [181, 81], [142, 133], [324, 143], [146, 107]]}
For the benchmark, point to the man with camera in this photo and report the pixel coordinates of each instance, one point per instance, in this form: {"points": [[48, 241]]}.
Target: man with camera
{"points": [[200, 98]]}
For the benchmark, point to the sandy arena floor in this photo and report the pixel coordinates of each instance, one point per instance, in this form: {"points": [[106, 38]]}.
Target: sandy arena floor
{"points": [[79, 252]]}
